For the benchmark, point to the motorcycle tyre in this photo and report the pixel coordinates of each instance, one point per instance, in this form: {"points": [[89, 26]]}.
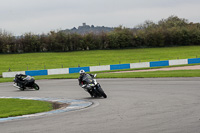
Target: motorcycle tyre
{"points": [[100, 90], [36, 87], [22, 89]]}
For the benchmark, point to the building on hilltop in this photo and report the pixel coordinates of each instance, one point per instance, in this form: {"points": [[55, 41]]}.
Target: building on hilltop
{"points": [[84, 26], [85, 29]]}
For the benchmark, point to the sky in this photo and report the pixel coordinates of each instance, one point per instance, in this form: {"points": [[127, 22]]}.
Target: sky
{"points": [[42, 16]]}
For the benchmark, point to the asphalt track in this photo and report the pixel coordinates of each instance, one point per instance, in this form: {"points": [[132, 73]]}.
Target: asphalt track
{"points": [[143, 105]]}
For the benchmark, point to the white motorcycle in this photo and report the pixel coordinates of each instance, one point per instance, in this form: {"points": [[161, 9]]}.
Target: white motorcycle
{"points": [[92, 86]]}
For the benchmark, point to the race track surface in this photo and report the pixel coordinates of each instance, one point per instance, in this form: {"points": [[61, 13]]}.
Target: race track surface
{"points": [[144, 105]]}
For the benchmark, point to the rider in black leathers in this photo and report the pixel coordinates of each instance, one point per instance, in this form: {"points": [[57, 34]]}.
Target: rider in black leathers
{"points": [[20, 79]]}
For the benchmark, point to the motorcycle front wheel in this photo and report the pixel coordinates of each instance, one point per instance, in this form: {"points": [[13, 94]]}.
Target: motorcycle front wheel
{"points": [[36, 87]]}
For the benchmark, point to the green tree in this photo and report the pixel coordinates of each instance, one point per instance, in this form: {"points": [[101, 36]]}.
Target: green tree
{"points": [[173, 21]]}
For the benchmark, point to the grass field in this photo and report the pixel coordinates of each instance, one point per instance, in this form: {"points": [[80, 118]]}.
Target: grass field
{"points": [[17, 107], [40, 61]]}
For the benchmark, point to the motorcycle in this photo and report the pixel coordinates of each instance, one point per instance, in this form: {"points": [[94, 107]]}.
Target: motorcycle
{"points": [[92, 87], [25, 83]]}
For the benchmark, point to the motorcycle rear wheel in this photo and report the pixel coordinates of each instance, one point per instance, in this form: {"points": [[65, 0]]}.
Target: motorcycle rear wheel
{"points": [[22, 89], [102, 92]]}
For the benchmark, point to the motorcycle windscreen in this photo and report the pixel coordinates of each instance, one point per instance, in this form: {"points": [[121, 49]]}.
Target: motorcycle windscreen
{"points": [[87, 78]]}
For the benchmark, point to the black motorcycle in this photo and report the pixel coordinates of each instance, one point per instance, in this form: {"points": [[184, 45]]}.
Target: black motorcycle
{"points": [[23, 82], [92, 87]]}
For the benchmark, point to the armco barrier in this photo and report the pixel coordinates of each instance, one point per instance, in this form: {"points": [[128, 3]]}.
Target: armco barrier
{"points": [[99, 68], [12, 74], [119, 66], [77, 69], [58, 71], [105, 67], [159, 63], [193, 61], [178, 62], [140, 65], [36, 72]]}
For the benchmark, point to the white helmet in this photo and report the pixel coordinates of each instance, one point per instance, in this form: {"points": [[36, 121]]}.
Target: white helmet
{"points": [[82, 72]]}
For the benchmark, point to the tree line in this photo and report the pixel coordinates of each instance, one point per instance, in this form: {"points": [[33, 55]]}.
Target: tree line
{"points": [[173, 31]]}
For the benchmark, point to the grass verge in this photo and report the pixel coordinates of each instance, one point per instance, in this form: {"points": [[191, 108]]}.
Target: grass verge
{"points": [[17, 107], [154, 74]]}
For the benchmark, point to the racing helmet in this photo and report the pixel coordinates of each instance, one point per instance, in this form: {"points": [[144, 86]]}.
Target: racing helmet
{"points": [[82, 72], [18, 75]]}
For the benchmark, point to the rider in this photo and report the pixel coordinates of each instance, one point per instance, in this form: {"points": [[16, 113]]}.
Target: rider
{"points": [[82, 74], [80, 79], [20, 79]]}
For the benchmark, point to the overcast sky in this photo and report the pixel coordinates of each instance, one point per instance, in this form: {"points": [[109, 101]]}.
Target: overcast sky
{"points": [[41, 16]]}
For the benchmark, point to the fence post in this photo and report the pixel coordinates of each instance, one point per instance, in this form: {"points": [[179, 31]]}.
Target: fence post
{"points": [[9, 70]]}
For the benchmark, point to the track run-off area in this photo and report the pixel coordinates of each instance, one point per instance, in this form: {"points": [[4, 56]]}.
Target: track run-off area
{"points": [[138, 105]]}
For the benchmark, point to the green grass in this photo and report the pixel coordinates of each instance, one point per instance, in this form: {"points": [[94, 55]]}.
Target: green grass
{"points": [[40, 61], [18, 107], [151, 74]]}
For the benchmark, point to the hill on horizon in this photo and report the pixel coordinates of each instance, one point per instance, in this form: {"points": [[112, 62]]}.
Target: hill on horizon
{"points": [[85, 29]]}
